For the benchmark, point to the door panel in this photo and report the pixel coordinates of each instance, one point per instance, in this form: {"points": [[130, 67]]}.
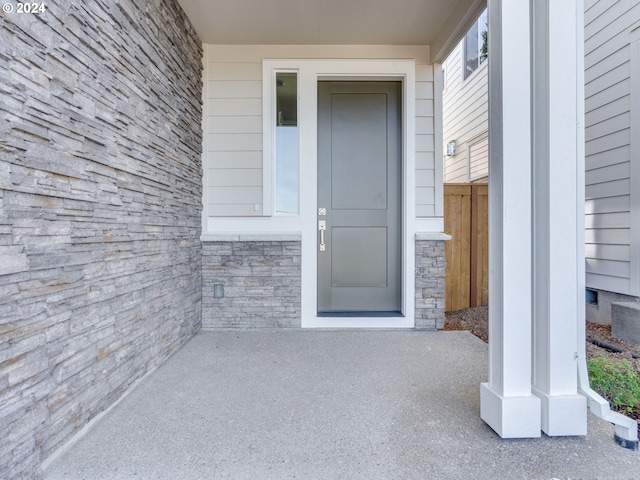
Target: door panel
{"points": [[359, 151], [356, 260], [359, 188]]}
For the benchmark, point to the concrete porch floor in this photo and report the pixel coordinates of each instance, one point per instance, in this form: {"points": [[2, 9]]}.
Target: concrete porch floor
{"points": [[284, 404]]}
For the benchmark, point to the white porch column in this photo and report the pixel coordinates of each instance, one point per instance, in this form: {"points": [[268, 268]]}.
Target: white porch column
{"points": [[558, 244], [507, 403]]}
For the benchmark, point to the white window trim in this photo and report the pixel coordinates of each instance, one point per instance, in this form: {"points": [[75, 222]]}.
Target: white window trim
{"points": [[269, 71], [268, 139]]}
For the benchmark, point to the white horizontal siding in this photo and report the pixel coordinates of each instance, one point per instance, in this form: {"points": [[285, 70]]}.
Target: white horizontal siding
{"points": [[457, 169], [610, 109], [424, 124], [234, 89], [603, 82], [235, 71], [237, 195], [607, 157], [234, 177], [608, 236], [479, 159], [607, 189], [618, 123], [425, 211], [607, 205], [425, 143], [241, 159], [607, 220], [604, 282], [229, 107], [424, 178], [425, 161], [608, 142], [424, 108], [608, 252], [232, 98], [235, 124], [597, 100], [618, 58], [465, 117], [235, 142], [611, 268], [603, 23], [608, 173], [233, 136]]}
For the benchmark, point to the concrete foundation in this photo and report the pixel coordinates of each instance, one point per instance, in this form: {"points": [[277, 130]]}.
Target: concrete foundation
{"points": [[600, 312], [625, 321]]}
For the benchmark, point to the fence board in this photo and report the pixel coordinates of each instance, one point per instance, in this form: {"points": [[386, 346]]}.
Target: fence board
{"points": [[466, 220]]}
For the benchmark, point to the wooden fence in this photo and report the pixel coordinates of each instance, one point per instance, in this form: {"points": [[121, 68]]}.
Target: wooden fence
{"points": [[466, 212]]}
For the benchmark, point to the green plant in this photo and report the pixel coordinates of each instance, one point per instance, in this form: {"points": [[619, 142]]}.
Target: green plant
{"points": [[484, 50], [617, 381]]}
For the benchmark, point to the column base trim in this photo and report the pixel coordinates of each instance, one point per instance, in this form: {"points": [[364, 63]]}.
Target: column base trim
{"points": [[563, 415], [510, 417]]}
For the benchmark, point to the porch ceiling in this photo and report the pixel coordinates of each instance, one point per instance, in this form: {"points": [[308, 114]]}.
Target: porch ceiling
{"points": [[331, 22]]}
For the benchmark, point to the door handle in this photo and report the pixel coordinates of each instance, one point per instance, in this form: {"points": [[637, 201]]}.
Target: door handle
{"points": [[322, 227]]}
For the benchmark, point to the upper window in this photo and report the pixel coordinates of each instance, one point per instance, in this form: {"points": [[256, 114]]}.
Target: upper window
{"points": [[475, 46]]}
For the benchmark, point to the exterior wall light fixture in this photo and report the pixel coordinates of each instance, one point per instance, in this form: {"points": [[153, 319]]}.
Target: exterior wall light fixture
{"points": [[451, 149]]}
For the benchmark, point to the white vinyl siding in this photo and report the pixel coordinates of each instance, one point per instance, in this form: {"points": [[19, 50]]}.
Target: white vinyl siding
{"points": [[465, 117], [425, 148], [233, 137], [233, 122], [610, 238], [479, 160]]}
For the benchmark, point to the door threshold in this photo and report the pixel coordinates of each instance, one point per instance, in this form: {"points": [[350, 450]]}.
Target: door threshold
{"points": [[361, 314]]}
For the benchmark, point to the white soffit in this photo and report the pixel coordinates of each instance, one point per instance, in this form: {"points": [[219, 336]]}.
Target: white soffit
{"points": [[324, 22]]}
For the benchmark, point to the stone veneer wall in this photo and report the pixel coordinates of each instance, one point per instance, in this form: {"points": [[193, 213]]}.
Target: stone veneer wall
{"points": [[262, 284], [100, 204], [431, 266]]}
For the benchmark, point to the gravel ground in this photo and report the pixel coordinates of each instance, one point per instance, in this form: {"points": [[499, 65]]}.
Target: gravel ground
{"points": [[475, 320]]}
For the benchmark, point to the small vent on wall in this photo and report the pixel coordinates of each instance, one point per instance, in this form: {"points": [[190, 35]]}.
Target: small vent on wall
{"points": [[592, 297]]}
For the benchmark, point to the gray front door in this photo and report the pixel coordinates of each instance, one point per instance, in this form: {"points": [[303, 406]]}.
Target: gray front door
{"points": [[359, 198]]}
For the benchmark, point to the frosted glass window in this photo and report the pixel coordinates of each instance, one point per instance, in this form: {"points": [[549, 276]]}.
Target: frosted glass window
{"points": [[287, 148]]}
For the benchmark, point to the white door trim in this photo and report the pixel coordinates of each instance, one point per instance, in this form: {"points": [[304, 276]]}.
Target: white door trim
{"points": [[309, 73]]}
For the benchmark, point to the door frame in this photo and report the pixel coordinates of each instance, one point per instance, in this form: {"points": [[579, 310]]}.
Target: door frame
{"points": [[310, 72]]}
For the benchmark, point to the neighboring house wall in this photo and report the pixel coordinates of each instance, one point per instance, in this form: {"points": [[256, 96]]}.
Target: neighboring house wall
{"points": [[100, 204], [612, 150], [612, 87], [465, 120]]}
